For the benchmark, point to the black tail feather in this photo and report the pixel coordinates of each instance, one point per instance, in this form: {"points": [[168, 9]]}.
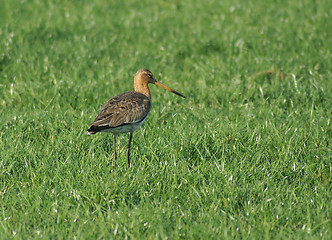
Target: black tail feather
{"points": [[94, 129]]}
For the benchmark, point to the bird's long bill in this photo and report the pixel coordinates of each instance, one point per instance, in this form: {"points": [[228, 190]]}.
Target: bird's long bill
{"points": [[168, 89]]}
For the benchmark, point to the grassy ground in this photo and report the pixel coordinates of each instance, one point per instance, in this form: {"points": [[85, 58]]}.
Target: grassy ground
{"points": [[246, 155]]}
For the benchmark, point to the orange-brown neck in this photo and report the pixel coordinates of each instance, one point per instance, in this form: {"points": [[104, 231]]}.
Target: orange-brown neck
{"points": [[143, 88]]}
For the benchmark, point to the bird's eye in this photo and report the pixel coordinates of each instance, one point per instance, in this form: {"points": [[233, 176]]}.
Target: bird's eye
{"points": [[149, 75]]}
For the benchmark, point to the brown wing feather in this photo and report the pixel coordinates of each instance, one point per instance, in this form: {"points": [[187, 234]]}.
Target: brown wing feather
{"points": [[122, 109]]}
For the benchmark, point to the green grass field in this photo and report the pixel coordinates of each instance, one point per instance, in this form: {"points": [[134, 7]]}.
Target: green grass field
{"points": [[247, 155]]}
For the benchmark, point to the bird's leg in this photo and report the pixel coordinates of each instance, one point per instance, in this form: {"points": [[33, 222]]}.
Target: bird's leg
{"points": [[114, 146], [128, 149]]}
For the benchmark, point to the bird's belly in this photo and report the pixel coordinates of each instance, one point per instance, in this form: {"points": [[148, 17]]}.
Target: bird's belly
{"points": [[130, 127]]}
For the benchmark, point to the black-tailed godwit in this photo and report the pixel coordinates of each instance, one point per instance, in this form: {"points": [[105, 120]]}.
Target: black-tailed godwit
{"points": [[127, 111]]}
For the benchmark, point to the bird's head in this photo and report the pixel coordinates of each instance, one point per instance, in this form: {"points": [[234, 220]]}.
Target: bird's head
{"points": [[144, 76]]}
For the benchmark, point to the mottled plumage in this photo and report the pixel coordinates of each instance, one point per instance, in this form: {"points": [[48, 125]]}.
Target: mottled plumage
{"points": [[127, 111], [122, 112]]}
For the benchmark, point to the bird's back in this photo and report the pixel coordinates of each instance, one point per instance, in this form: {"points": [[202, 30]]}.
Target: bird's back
{"points": [[124, 109]]}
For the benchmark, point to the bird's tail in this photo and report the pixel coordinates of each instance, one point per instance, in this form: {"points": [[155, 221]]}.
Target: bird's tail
{"points": [[92, 130]]}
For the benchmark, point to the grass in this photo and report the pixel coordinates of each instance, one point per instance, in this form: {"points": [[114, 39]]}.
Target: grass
{"points": [[247, 155]]}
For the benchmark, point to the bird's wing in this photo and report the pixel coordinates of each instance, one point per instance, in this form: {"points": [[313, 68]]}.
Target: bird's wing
{"points": [[126, 108]]}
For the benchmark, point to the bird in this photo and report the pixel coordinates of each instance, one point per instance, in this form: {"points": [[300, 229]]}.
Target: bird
{"points": [[126, 112]]}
